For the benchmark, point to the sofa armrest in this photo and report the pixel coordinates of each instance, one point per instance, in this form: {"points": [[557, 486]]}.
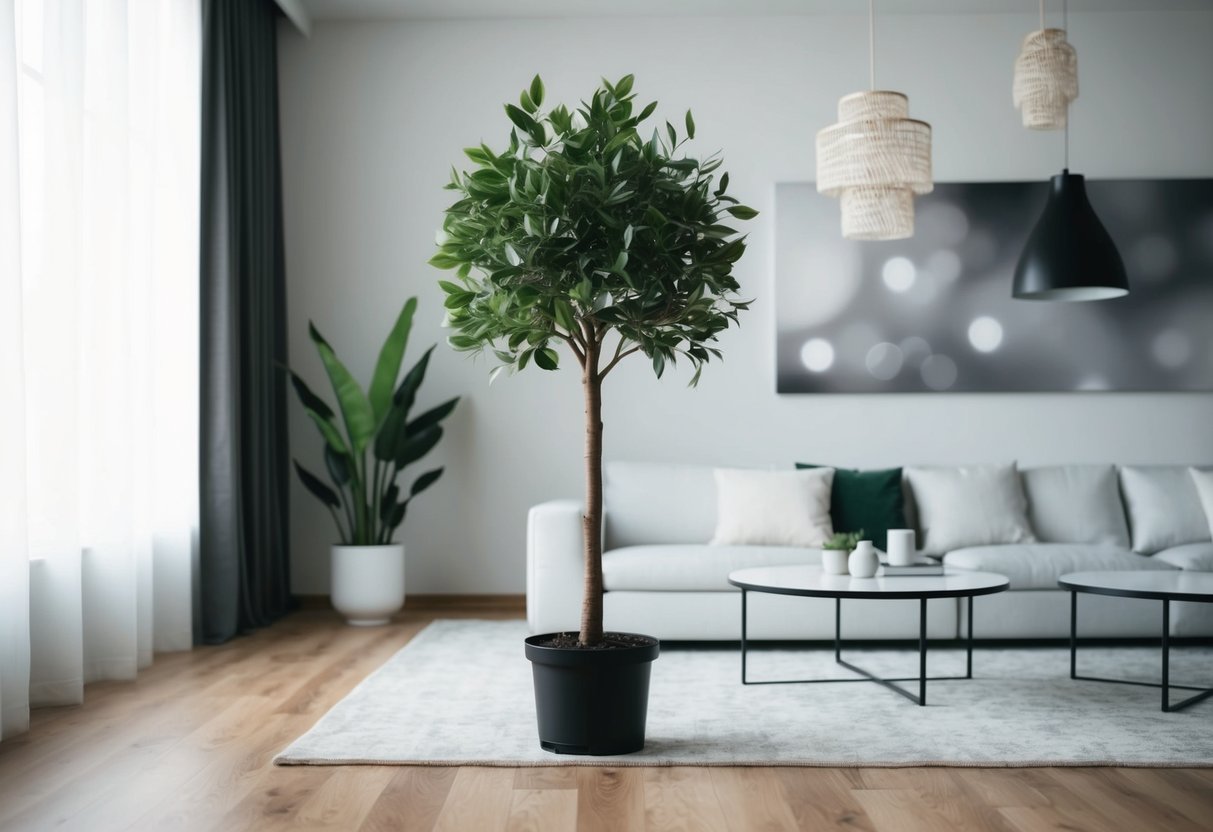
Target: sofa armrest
{"points": [[554, 566]]}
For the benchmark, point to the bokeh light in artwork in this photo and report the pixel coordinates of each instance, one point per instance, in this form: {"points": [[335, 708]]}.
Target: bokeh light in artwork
{"points": [[884, 361], [1171, 348], [944, 264], [898, 274], [939, 372], [914, 350], [985, 334], [817, 355]]}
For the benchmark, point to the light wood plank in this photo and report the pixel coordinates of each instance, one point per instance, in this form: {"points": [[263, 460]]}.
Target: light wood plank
{"points": [[751, 799], [412, 800], [610, 799], [682, 799], [480, 798], [543, 810], [189, 747]]}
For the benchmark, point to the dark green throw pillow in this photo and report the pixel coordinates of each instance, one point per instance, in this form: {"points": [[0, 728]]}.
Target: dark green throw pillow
{"points": [[868, 500]]}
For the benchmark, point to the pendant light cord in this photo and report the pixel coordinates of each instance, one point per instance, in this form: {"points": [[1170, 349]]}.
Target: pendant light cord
{"points": [[1065, 25], [872, 44]]}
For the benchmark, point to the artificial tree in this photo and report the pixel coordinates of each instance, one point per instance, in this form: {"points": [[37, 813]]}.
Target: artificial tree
{"points": [[587, 233]]}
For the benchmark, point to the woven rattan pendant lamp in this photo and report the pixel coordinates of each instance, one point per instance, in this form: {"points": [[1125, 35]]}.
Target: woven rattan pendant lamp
{"points": [[875, 159], [1046, 77], [1069, 256]]}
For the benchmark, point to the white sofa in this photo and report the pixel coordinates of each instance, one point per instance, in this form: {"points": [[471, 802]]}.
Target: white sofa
{"points": [[662, 578]]}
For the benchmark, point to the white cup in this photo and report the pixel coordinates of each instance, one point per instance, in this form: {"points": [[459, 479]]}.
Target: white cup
{"points": [[901, 547]]}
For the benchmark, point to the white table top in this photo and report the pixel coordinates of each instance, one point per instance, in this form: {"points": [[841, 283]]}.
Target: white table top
{"points": [[1178, 585], [812, 581]]}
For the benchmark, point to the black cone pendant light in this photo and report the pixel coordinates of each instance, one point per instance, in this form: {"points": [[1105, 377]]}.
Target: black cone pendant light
{"points": [[1070, 256]]}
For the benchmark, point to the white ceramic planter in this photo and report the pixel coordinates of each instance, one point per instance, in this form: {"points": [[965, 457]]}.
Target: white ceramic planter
{"points": [[368, 582]]}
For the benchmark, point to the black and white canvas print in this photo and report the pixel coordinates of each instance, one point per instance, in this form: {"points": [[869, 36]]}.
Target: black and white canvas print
{"points": [[934, 313]]}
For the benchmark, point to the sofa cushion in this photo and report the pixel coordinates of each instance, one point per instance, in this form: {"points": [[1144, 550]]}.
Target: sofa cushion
{"points": [[1075, 504], [1039, 565], [1203, 480], [1164, 509], [690, 567], [1195, 557], [772, 508], [969, 505], [869, 501], [649, 502]]}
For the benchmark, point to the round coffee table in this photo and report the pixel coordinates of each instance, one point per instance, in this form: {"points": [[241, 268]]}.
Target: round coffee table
{"points": [[812, 582], [1155, 586]]}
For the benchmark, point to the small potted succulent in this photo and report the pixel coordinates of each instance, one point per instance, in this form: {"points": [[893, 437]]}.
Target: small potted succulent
{"points": [[596, 236], [363, 495], [837, 549]]}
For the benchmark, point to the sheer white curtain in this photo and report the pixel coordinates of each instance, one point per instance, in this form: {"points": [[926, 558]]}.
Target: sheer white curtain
{"points": [[98, 334]]}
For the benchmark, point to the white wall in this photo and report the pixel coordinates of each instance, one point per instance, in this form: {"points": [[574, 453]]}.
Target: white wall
{"points": [[374, 115]]}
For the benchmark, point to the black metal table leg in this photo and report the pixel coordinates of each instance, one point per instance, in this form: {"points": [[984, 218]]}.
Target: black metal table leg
{"points": [[922, 651], [864, 675], [1165, 685], [1073, 635], [1166, 655], [969, 648], [743, 639], [837, 629]]}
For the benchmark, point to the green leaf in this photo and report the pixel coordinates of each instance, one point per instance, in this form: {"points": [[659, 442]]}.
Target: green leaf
{"points": [[537, 90], [432, 416], [317, 486], [742, 212], [338, 465], [658, 363], [328, 430], [388, 366], [619, 140], [395, 517], [547, 358], [527, 104], [406, 393], [646, 112], [355, 407], [425, 481], [388, 501], [524, 122], [690, 126], [624, 86], [310, 400], [391, 433], [416, 446]]}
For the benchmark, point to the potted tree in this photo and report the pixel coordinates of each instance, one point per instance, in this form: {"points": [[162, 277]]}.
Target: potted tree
{"points": [[364, 463], [587, 234]]}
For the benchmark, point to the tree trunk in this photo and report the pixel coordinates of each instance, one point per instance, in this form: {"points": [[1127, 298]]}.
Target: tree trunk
{"points": [[591, 520]]}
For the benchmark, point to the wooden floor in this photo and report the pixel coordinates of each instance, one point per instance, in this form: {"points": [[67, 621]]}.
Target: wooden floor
{"points": [[188, 746]]}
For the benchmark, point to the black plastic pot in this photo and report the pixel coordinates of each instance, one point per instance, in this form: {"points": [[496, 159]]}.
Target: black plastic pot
{"points": [[591, 701]]}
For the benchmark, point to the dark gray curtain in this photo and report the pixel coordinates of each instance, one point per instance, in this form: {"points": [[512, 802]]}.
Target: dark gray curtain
{"points": [[244, 563]]}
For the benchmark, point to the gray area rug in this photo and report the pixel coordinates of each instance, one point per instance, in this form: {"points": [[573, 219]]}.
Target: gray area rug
{"points": [[460, 694]]}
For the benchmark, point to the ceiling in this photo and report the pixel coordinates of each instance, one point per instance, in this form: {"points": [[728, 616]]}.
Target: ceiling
{"points": [[454, 9]]}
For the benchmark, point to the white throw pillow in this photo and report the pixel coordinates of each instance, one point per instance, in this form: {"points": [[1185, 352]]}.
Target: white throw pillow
{"points": [[1204, 489], [1164, 509], [1075, 504], [969, 505], [773, 508]]}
